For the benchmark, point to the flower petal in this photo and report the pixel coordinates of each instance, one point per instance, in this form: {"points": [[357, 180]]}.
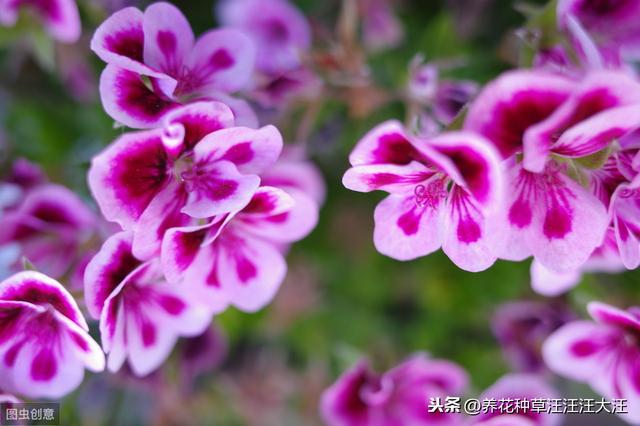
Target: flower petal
{"points": [[386, 143], [391, 178], [221, 61], [188, 125], [125, 177], [38, 289], [512, 103], [219, 188], [128, 100], [549, 283], [120, 41], [597, 93], [107, 270], [553, 218], [168, 38], [581, 350], [251, 150], [471, 240], [164, 212], [250, 271], [407, 228]]}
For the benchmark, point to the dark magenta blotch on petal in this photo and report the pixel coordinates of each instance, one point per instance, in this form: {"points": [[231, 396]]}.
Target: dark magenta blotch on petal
{"points": [[44, 366]]}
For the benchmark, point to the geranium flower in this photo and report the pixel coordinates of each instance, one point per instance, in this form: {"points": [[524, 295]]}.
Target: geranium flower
{"points": [[279, 30], [44, 341], [442, 191], [59, 17], [381, 29], [603, 354], [49, 226], [556, 127], [361, 397], [517, 387], [521, 327], [236, 258], [154, 63], [141, 315], [198, 166]]}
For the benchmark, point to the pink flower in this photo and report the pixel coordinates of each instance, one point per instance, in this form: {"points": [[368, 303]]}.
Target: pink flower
{"points": [[198, 166], [443, 192], [360, 397], [555, 125], [59, 17], [625, 209], [154, 63], [505, 392], [141, 315], [44, 341], [49, 226], [236, 259], [603, 354], [278, 29]]}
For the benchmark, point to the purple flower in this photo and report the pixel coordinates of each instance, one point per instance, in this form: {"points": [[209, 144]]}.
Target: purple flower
{"points": [[361, 397], [625, 209], [49, 225], [545, 118], [44, 341], [514, 387], [603, 354], [521, 327], [197, 166], [443, 192], [141, 315], [59, 17], [279, 91], [236, 259], [278, 29], [613, 24], [201, 354], [451, 96], [380, 27], [154, 63]]}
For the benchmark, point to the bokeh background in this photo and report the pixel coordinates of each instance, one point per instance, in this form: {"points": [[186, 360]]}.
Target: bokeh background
{"points": [[341, 300]]}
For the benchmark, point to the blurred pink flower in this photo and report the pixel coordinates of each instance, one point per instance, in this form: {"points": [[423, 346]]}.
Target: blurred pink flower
{"points": [[603, 354], [361, 397], [59, 17]]}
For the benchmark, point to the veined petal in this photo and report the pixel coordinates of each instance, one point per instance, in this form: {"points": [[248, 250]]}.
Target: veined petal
{"points": [[251, 150], [471, 240], [391, 178], [107, 270], [180, 247], [38, 289], [294, 220], [250, 270], [478, 163], [218, 187], [189, 124], [120, 41], [128, 100], [512, 103], [221, 61], [553, 218], [125, 177], [410, 226], [386, 143], [168, 38]]}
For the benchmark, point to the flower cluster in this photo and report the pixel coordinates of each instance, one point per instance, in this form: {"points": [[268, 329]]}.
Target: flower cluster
{"points": [[547, 166], [207, 205]]}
